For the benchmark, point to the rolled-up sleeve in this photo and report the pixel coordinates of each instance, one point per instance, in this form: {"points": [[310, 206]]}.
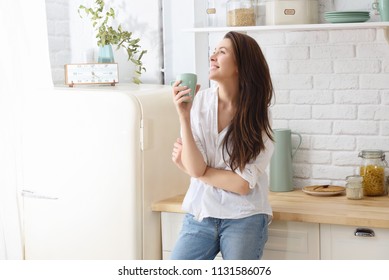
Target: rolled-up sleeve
{"points": [[254, 169]]}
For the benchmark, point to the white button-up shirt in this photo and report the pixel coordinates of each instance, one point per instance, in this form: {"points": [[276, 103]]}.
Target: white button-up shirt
{"points": [[203, 200]]}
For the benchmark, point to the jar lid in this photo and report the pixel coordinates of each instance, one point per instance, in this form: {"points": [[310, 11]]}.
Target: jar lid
{"points": [[372, 154], [354, 179]]}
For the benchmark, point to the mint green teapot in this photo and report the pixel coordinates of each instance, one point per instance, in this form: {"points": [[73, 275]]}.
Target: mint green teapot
{"points": [[281, 168]]}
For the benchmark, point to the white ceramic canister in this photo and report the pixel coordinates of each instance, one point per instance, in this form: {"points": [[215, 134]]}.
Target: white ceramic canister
{"points": [[292, 12]]}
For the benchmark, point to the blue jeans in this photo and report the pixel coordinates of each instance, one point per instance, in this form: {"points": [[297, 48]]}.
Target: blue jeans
{"points": [[236, 239]]}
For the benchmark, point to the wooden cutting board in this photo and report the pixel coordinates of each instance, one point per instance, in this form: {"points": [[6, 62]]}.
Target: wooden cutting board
{"points": [[323, 190]]}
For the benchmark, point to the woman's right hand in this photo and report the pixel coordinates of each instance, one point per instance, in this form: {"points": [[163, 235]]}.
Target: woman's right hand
{"points": [[187, 155], [182, 99]]}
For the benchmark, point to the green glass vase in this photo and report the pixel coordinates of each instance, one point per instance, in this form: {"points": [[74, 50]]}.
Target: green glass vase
{"points": [[105, 54]]}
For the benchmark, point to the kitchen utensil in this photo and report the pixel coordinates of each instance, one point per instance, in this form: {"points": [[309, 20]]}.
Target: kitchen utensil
{"points": [[323, 190], [281, 169], [382, 6], [347, 16]]}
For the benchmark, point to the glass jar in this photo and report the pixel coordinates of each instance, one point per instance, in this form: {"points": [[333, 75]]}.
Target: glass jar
{"points": [[211, 13], [240, 13], [354, 188], [372, 170], [260, 12]]}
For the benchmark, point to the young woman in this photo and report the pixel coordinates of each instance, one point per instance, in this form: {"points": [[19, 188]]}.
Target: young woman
{"points": [[225, 146]]}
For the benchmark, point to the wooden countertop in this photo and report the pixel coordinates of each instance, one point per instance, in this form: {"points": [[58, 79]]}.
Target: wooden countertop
{"points": [[301, 207]]}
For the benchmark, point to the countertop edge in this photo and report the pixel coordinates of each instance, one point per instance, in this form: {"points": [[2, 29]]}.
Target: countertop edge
{"points": [[300, 207]]}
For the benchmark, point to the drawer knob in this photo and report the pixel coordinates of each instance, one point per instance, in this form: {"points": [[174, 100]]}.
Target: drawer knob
{"points": [[364, 232]]}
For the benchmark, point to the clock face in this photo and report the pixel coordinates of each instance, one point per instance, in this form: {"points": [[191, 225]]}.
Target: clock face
{"points": [[91, 73]]}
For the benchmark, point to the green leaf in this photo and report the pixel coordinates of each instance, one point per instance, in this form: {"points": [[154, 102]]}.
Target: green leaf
{"points": [[141, 55], [136, 80], [112, 13]]}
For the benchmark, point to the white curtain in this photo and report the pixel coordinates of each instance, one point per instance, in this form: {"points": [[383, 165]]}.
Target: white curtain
{"points": [[24, 69]]}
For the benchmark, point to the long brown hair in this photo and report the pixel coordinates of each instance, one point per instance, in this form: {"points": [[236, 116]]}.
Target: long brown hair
{"points": [[244, 139]]}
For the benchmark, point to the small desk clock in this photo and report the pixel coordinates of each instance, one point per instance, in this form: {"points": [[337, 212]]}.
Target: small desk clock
{"points": [[91, 73]]}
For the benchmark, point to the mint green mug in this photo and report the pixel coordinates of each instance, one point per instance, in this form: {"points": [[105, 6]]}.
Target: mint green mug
{"points": [[281, 168], [382, 6], [189, 80]]}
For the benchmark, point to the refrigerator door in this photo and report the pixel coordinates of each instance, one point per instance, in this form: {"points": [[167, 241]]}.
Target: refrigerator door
{"points": [[161, 178], [82, 188]]}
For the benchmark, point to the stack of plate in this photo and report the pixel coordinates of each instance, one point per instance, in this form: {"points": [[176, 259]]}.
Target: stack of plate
{"points": [[347, 16]]}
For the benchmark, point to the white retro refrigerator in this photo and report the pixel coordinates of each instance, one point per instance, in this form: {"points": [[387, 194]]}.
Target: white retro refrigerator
{"points": [[94, 159]]}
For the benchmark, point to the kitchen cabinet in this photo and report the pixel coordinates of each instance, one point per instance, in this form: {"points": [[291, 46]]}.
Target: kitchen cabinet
{"points": [[307, 227], [171, 226], [287, 240], [339, 242]]}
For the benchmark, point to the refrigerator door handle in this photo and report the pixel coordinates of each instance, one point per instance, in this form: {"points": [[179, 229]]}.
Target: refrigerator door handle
{"points": [[31, 194]]}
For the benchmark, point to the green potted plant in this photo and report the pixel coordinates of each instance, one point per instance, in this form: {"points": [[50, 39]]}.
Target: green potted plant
{"points": [[108, 36]]}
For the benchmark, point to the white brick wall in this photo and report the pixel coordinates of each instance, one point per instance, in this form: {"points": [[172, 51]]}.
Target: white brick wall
{"points": [[333, 88]]}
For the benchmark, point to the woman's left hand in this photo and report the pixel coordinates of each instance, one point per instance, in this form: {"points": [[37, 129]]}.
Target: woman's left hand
{"points": [[176, 154]]}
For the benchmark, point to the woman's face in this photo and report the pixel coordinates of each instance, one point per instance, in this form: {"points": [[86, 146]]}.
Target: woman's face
{"points": [[222, 62]]}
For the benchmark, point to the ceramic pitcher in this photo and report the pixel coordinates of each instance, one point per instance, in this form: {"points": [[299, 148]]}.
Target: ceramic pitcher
{"points": [[281, 169]]}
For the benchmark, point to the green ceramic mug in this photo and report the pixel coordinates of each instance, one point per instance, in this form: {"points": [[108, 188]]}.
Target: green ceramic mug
{"points": [[382, 6], [281, 169], [189, 80]]}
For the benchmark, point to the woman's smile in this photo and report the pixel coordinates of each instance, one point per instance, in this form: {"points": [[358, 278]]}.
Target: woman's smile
{"points": [[214, 67]]}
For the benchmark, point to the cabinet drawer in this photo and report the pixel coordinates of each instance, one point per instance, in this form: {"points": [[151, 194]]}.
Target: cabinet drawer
{"points": [[340, 243], [171, 227], [292, 241]]}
